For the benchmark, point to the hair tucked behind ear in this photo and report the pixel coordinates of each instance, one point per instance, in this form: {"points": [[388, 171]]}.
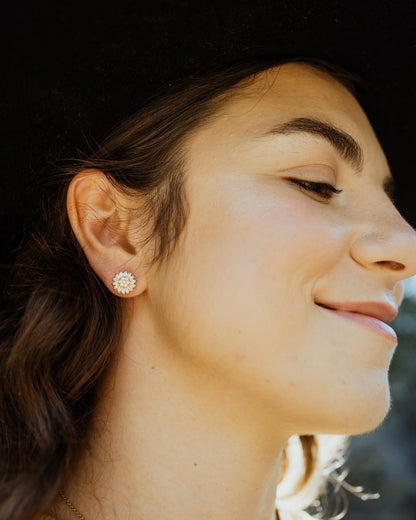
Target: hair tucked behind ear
{"points": [[61, 327]]}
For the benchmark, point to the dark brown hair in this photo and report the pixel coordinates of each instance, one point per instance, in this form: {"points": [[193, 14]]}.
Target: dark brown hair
{"points": [[60, 329]]}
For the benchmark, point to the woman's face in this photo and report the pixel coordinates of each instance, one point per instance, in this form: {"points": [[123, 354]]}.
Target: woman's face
{"points": [[238, 300]]}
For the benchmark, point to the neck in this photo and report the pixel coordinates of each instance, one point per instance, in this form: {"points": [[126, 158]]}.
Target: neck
{"points": [[170, 438]]}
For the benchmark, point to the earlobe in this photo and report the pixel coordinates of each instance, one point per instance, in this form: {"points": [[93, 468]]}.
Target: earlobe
{"points": [[101, 222]]}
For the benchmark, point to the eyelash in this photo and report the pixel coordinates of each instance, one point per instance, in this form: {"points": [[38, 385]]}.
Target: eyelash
{"points": [[318, 188]]}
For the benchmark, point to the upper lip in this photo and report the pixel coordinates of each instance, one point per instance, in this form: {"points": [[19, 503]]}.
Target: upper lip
{"points": [[380, 310]]}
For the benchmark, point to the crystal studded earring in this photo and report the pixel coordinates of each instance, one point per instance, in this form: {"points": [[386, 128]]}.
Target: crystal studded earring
{"points": [[124, 282]]}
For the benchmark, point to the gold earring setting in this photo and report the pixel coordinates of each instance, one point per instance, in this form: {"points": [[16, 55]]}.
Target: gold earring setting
{"points": [[124, 282]]}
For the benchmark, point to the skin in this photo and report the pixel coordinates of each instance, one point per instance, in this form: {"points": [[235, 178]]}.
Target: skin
{"points": [[226, 353]]}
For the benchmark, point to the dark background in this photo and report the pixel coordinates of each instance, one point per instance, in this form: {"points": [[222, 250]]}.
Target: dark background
{"points": [[71, 73]]}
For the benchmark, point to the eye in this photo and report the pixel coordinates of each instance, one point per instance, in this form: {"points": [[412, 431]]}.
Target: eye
{"points": [[322, 189]]}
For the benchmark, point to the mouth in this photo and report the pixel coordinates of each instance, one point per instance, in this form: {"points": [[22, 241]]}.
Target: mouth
{"points": [[371, 322], [380, 310]]}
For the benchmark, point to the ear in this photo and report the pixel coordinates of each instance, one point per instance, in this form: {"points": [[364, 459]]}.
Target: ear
{"points": [[101, 220]]}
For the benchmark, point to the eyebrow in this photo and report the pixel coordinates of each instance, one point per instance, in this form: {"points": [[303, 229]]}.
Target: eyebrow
{"points": [[344, 144]]}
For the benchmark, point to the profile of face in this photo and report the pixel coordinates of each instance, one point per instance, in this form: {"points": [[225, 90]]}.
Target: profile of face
{"points": [[238, 308]]}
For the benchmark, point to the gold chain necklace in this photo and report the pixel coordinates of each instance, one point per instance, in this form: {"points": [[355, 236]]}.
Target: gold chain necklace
{"points": [[71, 506], [80, 516]]}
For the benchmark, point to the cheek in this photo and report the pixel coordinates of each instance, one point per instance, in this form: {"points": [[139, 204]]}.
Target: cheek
{"points": [[256, 256], [243, 284]]}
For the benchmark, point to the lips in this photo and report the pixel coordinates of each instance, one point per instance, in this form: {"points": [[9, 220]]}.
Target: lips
{"points": [[371, 315], [380, 310]]}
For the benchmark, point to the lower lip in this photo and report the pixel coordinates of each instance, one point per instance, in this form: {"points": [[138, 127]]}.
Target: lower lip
{"points": [[367, 321]]}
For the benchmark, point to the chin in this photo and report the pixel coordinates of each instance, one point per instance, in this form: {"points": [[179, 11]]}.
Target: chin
{"points": [[357, 414], [370, 414]]}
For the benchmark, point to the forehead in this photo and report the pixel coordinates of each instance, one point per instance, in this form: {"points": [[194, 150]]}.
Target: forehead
{"points": [[294, 89]]}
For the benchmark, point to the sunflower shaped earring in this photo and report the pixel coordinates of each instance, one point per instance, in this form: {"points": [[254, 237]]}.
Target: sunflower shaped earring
{"points": [[124, 282]]}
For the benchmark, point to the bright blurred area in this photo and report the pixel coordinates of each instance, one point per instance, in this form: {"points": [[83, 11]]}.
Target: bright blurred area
{"points": [[410, 288]]}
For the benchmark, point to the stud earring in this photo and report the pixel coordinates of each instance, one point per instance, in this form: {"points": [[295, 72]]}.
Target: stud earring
{"points": [[124, 282]]}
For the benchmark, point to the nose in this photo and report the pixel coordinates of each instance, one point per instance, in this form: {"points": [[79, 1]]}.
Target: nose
{"points": [[386, 244]]}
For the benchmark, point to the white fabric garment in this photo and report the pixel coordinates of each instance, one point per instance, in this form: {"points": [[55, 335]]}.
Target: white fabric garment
{"points": [[291, 515]]}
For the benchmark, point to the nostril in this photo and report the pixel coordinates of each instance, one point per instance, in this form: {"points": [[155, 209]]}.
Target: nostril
{"points": [[394, 266]]}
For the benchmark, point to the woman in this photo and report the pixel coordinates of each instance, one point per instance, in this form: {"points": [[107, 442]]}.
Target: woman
{"points": [[211, 298]]}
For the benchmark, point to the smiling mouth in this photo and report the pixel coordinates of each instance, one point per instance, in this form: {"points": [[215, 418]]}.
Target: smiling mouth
{"points": [[375, 309], [370, 322]]}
